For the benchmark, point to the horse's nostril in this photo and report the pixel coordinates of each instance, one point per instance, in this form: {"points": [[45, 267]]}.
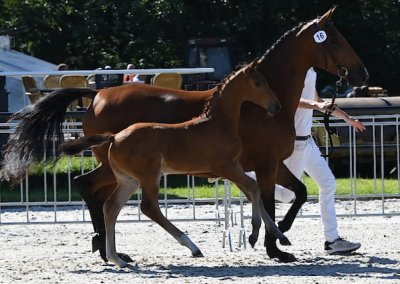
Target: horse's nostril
{"points": [[278, 107], [275, 108]]}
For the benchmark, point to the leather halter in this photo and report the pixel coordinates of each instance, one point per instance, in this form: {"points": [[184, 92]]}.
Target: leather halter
{"points": [[342, 74]]}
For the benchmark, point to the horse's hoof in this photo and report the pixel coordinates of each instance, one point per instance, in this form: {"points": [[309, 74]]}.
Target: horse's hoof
{"points": [[197, 254], [96, 243], [283, 256], [285, 241], [282, 227], [287, 257], [125, 257], [103, 254], [252, 240]]}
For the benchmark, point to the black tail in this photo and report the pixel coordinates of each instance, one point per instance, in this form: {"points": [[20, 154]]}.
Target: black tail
{"points": [[39, 123], [76, 146]]}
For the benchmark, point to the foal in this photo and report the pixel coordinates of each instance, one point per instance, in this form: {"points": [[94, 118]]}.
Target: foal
{"points": [[206, 144]]}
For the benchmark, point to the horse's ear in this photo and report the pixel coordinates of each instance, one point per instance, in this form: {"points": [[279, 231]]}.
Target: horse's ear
{"points": [[325, 18], [321, 21]]}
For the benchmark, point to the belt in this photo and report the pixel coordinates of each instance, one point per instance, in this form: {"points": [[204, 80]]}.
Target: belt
{"points": [[302, 138]]}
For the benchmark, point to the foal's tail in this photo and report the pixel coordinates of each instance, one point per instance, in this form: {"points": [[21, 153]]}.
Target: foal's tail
{"points": [[76, 146], [38, 123]]}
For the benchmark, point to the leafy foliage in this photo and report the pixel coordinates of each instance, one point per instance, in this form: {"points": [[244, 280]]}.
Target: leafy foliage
{"points": [[88, 34]]}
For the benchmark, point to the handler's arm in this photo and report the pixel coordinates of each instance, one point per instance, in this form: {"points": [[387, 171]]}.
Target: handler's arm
{"points": [[323, 106]]}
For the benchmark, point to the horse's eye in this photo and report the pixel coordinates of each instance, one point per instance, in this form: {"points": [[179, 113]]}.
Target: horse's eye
{"points": [[257, 83]]}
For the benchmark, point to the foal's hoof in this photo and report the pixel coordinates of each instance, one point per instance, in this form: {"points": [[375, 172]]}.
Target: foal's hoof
{"points": [[125, 257], [285, 241], [197, 254]]}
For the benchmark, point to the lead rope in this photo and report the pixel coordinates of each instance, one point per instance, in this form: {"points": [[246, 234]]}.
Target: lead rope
{"points": [[331, 108]]}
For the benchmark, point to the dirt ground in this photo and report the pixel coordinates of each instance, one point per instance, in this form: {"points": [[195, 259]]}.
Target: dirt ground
{"points": [[60, 253]]}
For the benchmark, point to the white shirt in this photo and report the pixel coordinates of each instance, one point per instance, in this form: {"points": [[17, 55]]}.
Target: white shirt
{"points": [[303, 117]]}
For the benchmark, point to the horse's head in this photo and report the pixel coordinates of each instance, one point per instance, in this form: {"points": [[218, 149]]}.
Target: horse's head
{"points": [[332, 52], [258, 91]]}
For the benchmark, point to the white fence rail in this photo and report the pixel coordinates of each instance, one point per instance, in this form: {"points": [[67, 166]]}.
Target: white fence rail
{"points": [[355, 155]]}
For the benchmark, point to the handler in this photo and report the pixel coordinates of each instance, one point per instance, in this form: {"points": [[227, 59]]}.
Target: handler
{"points": [[307, 157]]}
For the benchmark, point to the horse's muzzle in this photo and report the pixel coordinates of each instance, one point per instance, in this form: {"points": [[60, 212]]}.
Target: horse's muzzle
{"points": [[358, 77], [274, 109]]}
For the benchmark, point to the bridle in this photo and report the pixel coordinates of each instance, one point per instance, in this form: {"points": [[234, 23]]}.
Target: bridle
{"points": [[342, 74]]}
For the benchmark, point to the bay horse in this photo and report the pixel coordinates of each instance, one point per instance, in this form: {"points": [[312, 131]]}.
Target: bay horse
{"points": [[265, 142], [210, 143]]}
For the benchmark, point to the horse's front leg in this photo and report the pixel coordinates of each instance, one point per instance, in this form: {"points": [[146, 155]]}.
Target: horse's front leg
{"points": [[266, 182], [289, 181], [255, 217]]}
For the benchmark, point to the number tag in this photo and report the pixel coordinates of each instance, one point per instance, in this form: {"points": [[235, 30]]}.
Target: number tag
{"points": [[320, 36]]}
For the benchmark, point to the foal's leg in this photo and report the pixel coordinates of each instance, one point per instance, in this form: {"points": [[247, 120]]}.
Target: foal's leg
{"points": [[151, 208], [234, 172], [95, 188], [111, 209], [100, 180]]}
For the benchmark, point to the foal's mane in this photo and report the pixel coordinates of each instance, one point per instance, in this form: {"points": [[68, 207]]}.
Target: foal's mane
{"points": [[211, 101]]}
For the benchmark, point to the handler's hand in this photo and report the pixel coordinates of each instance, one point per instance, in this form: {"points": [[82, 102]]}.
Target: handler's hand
{"points": [[358, 126]]}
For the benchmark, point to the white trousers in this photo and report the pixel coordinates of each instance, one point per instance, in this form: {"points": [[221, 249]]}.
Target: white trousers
{"points": [[306, 157]]}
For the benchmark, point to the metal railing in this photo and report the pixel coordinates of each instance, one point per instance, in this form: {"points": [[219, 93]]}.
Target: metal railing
{"points": [[381, 153]]}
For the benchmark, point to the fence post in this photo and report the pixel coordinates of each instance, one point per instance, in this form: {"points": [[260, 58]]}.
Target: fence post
{"points": [[3, 107]]}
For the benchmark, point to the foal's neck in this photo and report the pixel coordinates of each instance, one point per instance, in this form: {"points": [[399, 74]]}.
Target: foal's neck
{"points": [[229, 100]]}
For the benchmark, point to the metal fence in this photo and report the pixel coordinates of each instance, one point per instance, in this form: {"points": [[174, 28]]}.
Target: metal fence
{"points": [[374, 154]]}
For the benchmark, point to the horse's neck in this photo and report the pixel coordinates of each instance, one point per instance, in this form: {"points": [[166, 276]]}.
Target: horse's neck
{"points": [[285, 69]]}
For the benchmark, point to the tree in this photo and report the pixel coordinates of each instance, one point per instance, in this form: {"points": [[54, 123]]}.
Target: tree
{"points": [[90, 34]]}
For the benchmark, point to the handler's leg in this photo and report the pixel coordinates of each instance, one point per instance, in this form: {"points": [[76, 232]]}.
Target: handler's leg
{"points": [[318, 169]]}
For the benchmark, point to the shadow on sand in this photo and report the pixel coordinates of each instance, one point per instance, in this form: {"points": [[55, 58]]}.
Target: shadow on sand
{"points": [[316, 267]]}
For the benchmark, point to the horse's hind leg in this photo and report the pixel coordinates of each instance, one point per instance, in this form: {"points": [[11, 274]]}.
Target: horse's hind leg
{"points": [[150, 207], [111, 209], [95, 187]]}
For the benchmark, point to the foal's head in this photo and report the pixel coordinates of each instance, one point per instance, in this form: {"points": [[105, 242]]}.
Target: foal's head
{"points": [[255, 89], [246, 84]]}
